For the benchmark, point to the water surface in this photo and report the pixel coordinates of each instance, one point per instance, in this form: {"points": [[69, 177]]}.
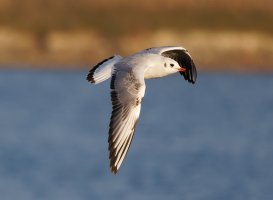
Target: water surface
{"points": [[211, 140]]}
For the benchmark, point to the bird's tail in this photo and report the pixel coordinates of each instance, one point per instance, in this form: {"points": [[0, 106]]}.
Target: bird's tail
{"points": [[102, 71]]}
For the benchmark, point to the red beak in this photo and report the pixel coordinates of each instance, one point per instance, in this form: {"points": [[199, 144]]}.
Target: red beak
{"points": [[181, 69]]}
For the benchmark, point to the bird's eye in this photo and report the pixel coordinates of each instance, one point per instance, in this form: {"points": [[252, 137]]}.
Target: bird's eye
{"points": [[172, 64]]}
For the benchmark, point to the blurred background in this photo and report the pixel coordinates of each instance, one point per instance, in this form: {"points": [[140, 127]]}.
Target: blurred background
{"points": [[211, 140], [237, 33]]}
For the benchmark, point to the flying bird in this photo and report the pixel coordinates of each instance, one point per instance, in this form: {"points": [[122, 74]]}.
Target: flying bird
{"points": [[128, 89]]}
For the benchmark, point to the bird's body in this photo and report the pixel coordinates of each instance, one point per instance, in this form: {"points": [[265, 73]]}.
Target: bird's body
{"points": [[128, 89]]}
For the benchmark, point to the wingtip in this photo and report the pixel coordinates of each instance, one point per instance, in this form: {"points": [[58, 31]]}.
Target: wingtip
{"points": [[114, 170], [90, 77]]}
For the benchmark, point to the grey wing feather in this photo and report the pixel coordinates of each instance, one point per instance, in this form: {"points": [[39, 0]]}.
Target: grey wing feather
{"points": [[126, 94]]}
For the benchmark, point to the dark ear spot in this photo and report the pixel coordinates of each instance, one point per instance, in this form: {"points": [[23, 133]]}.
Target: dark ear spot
{"points": [[165, 65]]}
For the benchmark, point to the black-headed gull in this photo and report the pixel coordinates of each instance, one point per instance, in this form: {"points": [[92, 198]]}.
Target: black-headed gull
{"points": [[128, 88]]}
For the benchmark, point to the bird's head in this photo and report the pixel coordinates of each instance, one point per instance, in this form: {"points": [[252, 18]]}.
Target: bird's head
{"points": [[171, 66], [181, 61]]}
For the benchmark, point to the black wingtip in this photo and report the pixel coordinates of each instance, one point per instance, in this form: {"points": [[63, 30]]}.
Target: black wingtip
{"points": [[90, 75], [114, 170], [190, 74]]}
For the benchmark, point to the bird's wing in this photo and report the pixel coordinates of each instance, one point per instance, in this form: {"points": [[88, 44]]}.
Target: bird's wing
{"points": [[159, 50], [102, 71], [127, 92]]}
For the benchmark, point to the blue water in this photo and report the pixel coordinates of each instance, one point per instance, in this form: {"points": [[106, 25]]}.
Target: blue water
{"points": [[208, 141]]}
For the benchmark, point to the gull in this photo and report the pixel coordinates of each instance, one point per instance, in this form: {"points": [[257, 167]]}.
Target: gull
{"points": [[128, 88]]}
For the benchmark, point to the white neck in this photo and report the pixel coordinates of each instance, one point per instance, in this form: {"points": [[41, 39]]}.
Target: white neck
{"points": [[156, 68]]}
